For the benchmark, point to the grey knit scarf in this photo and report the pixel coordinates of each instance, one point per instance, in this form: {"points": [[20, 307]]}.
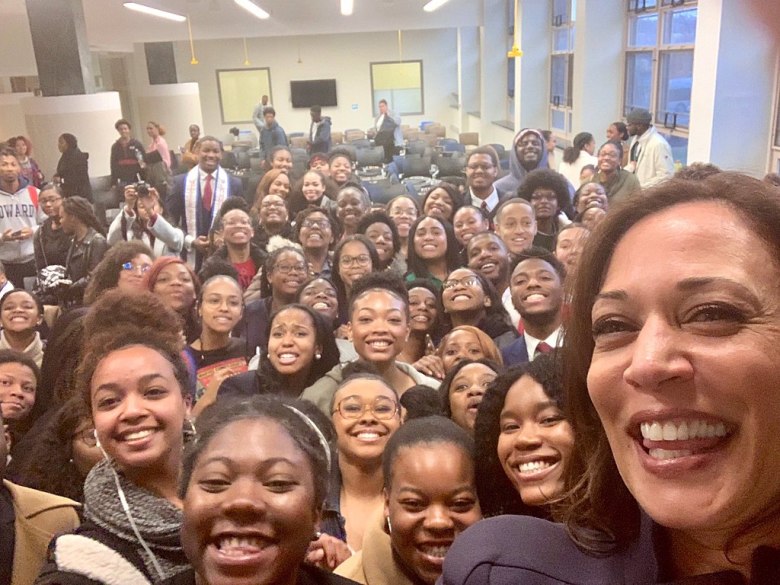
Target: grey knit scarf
{"points": [[158, 521]]}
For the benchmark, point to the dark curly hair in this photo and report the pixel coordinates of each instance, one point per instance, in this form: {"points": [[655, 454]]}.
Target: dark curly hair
{"points": [[455, 196], [119, 320], [444, 388], [496, 320], [381, 217], [296, 200], [270, 263], [335, 224], [387, 281], [547, 179], [497, 495], [106, 273], [218, 416], [49, 465], [335, 275]]}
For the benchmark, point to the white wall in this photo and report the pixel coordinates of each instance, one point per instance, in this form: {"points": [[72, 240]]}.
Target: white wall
{"points": [[345, 57], [17, 57]]}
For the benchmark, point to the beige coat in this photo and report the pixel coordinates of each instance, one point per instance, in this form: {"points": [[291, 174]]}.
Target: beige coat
{"points": [[39, 517], [374, 565]]}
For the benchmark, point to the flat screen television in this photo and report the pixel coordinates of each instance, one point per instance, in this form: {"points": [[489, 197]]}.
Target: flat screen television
{"points": [[315, 92]]}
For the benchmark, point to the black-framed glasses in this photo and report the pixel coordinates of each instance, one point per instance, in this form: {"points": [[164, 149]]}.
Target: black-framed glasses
{"points": [[288, 268], [353, 407], [361, 260], [316, 223], [468, 281]]}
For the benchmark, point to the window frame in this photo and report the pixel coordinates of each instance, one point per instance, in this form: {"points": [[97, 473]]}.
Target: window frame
{"points": [[233, 80], [557, 107], [390, 102], [666, 122]]}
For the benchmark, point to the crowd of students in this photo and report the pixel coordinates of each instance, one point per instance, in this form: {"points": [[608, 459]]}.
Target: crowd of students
{"points": [[569, 384]]}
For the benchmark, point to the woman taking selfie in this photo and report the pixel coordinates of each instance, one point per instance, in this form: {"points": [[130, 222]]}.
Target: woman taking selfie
{"points": [[671, 356]]}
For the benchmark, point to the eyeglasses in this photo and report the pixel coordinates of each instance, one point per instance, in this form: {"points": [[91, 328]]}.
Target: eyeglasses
{"points": [[362, 260], [477, 167], [288, 268], [316, 223], [469, 281], [87, 436], [142, 268], [407, 211], [353, 407], [48, 200]]}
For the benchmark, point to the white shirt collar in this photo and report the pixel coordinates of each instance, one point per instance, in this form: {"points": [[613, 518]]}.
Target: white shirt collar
{"points": [[491, 200], [555, 339]]}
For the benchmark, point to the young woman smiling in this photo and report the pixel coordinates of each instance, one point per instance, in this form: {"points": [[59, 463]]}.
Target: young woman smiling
{"points": [[215, 353], [314, 189], [21, 313], [365, 414], [134, 380], [442, 201], [352, 203], [425, 313], [403, 210], [253, 488], [178, 287], [355, 256], [316, 230], [433, 249], [429, 499], [320, 294], [380, 229]]}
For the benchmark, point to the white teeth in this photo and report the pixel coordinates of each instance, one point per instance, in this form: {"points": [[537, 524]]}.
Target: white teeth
{"points": [[320, 306], [435, 551], [534, 297], [380, 344], [138, 435], [488, 266], [237, 545], [464, 297], [670, 453], [691, 429], [368, 435], [287, 358], [420, 318], [533, 466]]}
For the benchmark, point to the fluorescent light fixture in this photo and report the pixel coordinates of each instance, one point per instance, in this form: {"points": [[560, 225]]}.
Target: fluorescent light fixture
{"points": [[434, 5], [252, 8], [347, 6], [154, 11]]}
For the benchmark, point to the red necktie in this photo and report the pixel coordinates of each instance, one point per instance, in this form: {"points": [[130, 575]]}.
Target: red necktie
{"points": [[485, 210], [207, 194], [543, 348]]}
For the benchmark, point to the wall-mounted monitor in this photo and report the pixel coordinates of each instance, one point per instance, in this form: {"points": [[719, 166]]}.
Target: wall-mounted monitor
{"points": [[316, 92]]}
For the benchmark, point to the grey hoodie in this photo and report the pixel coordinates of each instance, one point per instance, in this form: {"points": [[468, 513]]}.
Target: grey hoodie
{"points": [[507, 186]]}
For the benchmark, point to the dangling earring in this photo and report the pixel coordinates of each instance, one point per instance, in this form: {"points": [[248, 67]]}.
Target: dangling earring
{"points": [[189, 431], [389, 526]]}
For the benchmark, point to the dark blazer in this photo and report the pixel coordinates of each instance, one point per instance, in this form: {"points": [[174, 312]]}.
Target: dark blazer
{"points": [[174, 204], [516, 352], [72, 169]]}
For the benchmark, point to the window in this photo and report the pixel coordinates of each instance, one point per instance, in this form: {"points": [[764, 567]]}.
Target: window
{"points": [[401, 84], [659, 61], [240, 91], [562, 66]]}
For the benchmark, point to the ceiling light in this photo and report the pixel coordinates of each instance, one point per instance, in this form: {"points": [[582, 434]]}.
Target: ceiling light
{"points": [[154, 11], [434, 4], [252, 8], [347, 6]]}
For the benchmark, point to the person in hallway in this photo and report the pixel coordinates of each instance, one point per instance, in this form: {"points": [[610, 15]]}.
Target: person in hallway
{"points": [[258, 113], [197, 197], [536, 286], [650, 156], [528, 153], [73, 168], [189, 154], [388, 131], [271, 133], [319, 131], [125, 155], [17, 227]]}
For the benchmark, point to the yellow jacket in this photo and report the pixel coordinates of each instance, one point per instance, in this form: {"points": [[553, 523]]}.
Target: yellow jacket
{"points": [[38, 517]]}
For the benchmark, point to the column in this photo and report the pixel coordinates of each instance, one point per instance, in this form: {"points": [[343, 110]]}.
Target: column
{"points": [[175, 106]]}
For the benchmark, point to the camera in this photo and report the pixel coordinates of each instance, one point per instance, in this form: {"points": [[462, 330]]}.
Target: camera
{"points": [[141, 188]]}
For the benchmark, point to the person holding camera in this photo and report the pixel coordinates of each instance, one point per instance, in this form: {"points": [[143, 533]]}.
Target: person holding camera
{"points": [[142, 219]]}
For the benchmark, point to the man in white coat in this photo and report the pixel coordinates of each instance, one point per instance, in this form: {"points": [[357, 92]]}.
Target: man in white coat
{"points": [[651, 157]]}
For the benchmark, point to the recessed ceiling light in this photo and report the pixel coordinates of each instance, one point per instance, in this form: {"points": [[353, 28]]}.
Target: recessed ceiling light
{"points": [[252, 8], [434, 4], [154, 11], [347, 6]]}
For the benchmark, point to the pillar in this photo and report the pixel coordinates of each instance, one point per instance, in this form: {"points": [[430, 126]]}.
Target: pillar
{"points": [[175, 106]]}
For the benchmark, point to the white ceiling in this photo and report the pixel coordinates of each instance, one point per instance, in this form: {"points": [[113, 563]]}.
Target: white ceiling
{"points": [[111, 26]]}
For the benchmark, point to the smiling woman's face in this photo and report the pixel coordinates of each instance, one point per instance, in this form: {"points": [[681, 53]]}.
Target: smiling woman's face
{"points": [[684, 372]]}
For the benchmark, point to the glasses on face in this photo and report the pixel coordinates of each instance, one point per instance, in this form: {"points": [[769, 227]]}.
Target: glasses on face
{"points": [[323, 224], [362, 260], [544, 197], [479, 167], [288, 268], [50, 200], [468, 281], [87, 436], [130, 267], [267, 204], [403, 211], [353, 407]]}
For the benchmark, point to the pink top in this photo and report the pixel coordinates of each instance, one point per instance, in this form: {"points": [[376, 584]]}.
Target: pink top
{"points": [[161, 146]]}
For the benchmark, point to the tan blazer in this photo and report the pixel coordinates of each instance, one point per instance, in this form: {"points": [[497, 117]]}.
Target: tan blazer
{"points": [[39, 516]]}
